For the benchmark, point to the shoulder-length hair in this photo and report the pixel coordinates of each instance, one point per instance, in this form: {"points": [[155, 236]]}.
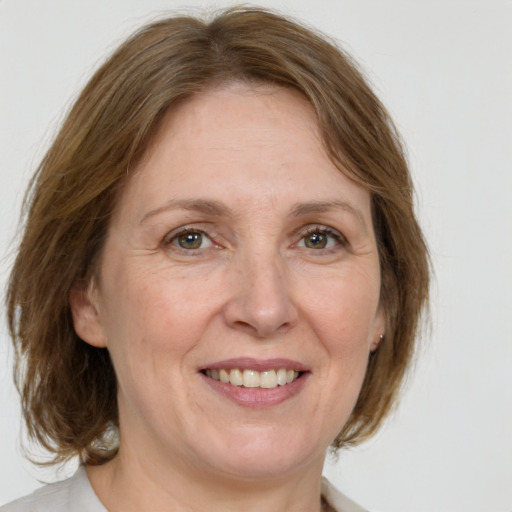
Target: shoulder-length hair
{"points": [[68, 387]]}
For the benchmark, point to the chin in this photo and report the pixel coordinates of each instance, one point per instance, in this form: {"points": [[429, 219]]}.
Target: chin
{"points": [[263, 455]]}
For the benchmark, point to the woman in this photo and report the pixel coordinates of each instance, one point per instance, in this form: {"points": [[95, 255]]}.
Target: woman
{"points": [[221, 273]]}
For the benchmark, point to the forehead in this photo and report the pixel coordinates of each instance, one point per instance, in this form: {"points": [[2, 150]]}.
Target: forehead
{"points": [[238, 113], [262, 142]]}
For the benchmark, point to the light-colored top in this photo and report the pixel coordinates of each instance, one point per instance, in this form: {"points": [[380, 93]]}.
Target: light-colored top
{"points": [[76, 495]]}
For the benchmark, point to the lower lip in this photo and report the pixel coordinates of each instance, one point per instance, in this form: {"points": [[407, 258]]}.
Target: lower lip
{"points": [[257, 398]]}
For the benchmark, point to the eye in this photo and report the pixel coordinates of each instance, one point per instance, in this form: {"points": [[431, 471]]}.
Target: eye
{"points": [[190, 240], [321, 238]]}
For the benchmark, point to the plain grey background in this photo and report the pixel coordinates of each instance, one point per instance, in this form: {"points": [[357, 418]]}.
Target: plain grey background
{"points": [[444, 70]]}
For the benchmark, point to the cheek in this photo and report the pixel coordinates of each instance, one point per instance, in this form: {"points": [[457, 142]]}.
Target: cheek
{"points": [[343, 311], [156, 317], [151, 329]]}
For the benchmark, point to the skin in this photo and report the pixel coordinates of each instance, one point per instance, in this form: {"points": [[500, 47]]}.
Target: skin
{"points": [[253, 288]]}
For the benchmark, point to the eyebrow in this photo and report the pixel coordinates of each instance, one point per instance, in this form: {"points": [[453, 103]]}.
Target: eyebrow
{"points": [[208, 207], [301, 209], [218, 209]]}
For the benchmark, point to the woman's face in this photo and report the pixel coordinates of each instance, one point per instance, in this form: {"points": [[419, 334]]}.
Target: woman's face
{"points": [[237, 252]]}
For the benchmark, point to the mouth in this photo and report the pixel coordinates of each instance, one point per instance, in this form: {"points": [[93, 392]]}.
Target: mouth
{"points": [[256, 383], [252, 378]]}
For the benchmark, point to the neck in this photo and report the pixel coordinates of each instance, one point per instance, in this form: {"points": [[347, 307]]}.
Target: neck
{"points": [[130, 484]]}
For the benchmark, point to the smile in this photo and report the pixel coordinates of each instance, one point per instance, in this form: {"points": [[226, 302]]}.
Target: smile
{"points": [[250, 378]]}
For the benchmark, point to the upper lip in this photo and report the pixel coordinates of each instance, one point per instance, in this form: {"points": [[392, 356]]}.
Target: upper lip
{"points": [[249, 363]]}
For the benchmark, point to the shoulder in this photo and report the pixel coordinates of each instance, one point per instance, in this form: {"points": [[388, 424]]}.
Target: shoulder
{"points": [[338, 501], [62, 496]]}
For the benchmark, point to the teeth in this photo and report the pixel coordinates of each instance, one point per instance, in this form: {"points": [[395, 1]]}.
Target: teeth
{"points": [[253, 379], [235, 377], [268, 379], [290, 375], [281, 376]]}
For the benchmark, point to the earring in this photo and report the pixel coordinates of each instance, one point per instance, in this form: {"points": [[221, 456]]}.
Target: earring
{"points": [[374, 349]]}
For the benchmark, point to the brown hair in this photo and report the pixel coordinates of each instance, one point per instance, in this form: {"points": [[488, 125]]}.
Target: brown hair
{"points": [[68, 387]]}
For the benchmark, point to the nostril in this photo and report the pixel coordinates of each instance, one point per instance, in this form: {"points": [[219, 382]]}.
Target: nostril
{"points": [[261, 329]]}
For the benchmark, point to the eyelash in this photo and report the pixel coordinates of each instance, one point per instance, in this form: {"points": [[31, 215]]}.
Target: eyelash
{"points": [[324, 230], [172, 237], [318, 229]]}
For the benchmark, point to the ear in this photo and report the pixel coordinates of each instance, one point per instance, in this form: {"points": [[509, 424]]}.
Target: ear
{"points": [[379, 329], [84, 302]]}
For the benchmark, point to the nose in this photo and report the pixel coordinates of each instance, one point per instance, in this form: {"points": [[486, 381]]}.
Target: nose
{"points": [[260, 302]]}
